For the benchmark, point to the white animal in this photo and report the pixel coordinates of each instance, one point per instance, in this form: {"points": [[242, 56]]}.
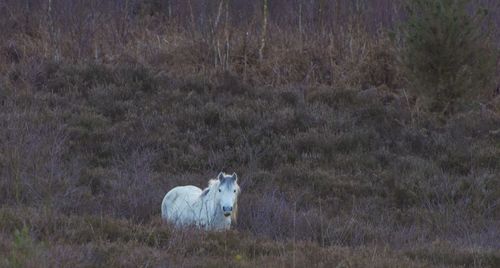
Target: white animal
{"points": [[213, 208]]}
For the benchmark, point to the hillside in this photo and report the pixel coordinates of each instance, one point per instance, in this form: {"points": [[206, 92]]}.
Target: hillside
{"points": [[339, 162]]}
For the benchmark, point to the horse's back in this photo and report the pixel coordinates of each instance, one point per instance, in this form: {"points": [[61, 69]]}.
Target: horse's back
{"points": [[178, 202]]}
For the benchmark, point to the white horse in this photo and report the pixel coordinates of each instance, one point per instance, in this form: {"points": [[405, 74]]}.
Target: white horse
{"points": [[213, 208]]}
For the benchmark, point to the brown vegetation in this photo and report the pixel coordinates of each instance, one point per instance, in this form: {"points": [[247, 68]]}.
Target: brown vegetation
{"points": [[106, 105]]}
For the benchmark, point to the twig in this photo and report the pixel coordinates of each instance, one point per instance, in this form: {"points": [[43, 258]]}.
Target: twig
{"points": [[408, 103], [264, 31]]}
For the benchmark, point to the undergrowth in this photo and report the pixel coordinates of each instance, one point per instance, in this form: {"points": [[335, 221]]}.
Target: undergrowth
{"points": [[339, 163]]}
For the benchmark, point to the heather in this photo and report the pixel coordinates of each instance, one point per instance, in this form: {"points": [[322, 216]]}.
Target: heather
{"points": [[349, 151]]}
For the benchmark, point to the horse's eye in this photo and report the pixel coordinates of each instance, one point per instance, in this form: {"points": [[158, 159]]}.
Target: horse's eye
{"points": [[234, 191], [219, 190]]}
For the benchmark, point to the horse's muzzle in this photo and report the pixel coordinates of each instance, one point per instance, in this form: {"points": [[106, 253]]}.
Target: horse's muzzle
{"points": [[227, 211]]}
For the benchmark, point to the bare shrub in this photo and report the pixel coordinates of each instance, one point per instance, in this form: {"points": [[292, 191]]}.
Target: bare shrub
{"points": [[135, 188], [32, 157]]}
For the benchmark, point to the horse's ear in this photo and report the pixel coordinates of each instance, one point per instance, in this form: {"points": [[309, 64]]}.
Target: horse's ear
{"points": [[235, 177], [220, 176]]}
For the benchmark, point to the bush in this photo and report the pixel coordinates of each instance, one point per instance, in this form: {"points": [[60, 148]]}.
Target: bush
{"points": [[447, 51], [24, 248]]}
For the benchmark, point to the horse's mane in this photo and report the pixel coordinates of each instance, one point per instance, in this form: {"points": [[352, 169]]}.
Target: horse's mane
{"points": [[234, 215], [211, 183]]}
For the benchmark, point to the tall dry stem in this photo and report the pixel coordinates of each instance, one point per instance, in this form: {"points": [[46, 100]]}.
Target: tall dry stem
{"points": [[226, 35], [264, 30]]}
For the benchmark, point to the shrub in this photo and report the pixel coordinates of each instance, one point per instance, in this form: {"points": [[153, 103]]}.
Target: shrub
{"points": [[447, 52], [381, 66], [23, 249], [337, 98]]}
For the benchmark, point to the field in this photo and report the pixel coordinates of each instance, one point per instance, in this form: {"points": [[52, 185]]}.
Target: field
{"points": [[106, 105]]}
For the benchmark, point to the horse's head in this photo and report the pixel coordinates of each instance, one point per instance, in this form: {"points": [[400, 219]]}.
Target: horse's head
{"points": [[228, 194]]}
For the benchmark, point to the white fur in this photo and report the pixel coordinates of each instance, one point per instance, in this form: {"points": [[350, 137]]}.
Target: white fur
{"points": [[189, 205]]}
